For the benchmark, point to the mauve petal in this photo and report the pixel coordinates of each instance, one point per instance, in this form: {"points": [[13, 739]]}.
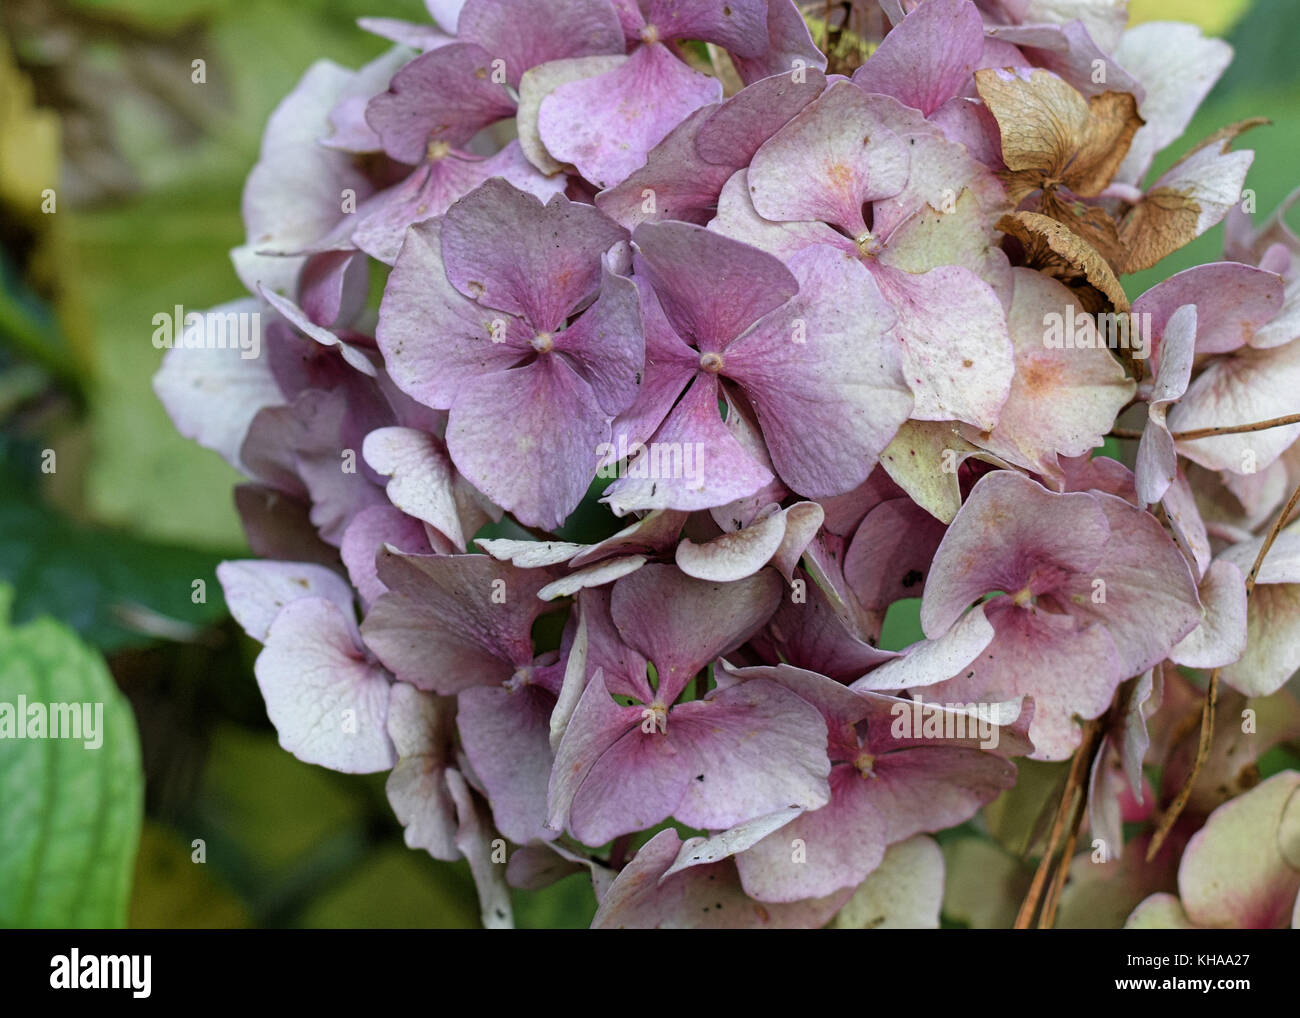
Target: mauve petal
{"points": [[1071, 52], [838, 704], [710, 287], [353, 355], [701, 897], [606, 125], [829, 160], [369, 531], [349, 131], [733, 132], [525, 33], [537, 463], [722, 470], [607, 343], [1012, 533], [933, 787], [956, 350], [842, 842], [421, 726], [433, 188], [890, 555], [790, 47], [332, 288], [278, 526], [433, 338], [540, 82], [507, 250], [669, 366], [810, 635], [256, 591], [822, 373], [447, 95], [1069, 669], [1186, 524], [653, 533], [324, 442], [736, 25], [610, 777], [1232, 302], [1148, 601], [1156, 466], [737, 219], [675, 183], [505, 733], [681, 624], [601, 573], [1063, 402], [327, 699], [928, 57], [624, 669], [449, 622], [927, 662], [753, 748]]}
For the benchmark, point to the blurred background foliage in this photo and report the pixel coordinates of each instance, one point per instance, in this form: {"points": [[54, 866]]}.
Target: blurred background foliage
{"points": [[108, 536]]}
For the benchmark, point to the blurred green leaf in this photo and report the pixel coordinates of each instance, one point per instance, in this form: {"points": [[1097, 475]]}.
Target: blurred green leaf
{"points": [[72, 813], [175, 892], [902, 625], [396, 888], [115, 590]]}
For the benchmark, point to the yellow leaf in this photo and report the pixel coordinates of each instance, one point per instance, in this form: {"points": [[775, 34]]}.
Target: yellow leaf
{"points": [[1052, 136], [1063, 254], [1192, 196]]}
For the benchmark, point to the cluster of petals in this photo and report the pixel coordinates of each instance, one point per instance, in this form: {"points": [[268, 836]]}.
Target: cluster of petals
{"points": [[808, 341]]}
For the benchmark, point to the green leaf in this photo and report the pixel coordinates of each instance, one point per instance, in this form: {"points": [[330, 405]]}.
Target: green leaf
{"points": [[113, 589], [71, 813]]}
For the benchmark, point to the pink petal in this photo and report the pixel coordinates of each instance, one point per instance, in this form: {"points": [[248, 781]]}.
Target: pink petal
{"points": [[606, 125], [449, 622], [447, 94], [508, 251], [823, 376], [829, 160], [928, 57], [327, 699], [525, 33]]}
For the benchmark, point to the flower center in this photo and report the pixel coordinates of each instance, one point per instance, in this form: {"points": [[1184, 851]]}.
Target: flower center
{"points": [[543, 342], [437, 150], [1023, 597], [654, 717], [711, 362], [649, 35], [519, 680], [865, 763], [867, 244]]}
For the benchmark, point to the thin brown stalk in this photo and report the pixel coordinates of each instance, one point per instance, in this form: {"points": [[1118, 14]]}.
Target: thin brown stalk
{"points": [[1228, 429], [1073, 787]]}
